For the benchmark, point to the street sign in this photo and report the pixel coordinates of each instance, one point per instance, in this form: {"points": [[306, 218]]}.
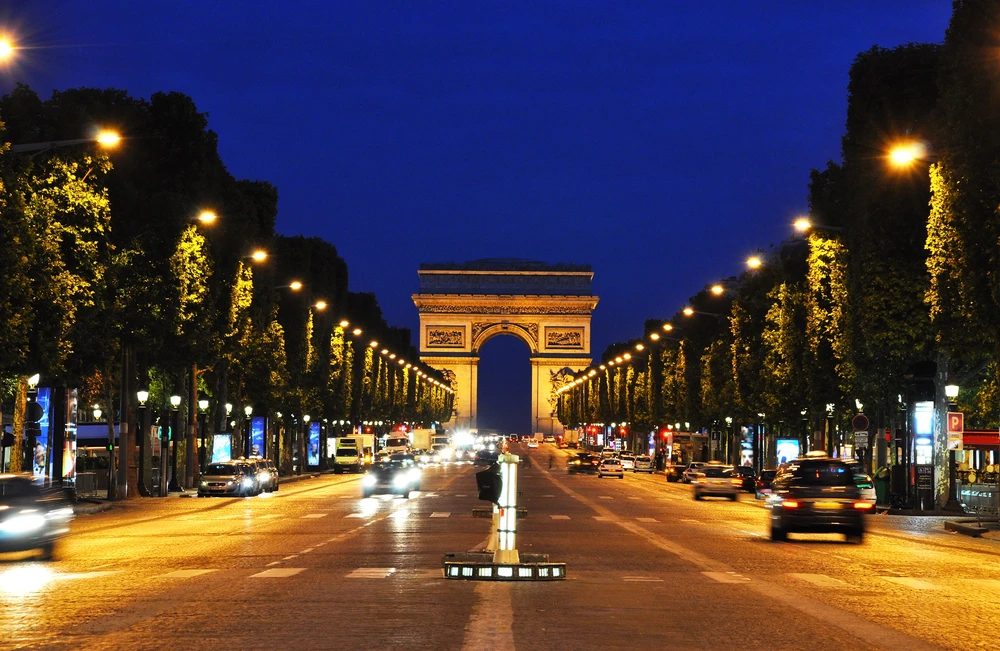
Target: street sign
{"points": [[956, 430], [860, 423], [861, 439]]}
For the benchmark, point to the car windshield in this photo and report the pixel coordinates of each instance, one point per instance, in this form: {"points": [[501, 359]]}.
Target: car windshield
{"points": [[717, 471], [396, 443], [768, 474], [347, 452], [18, 487], [220, 469], [823, 474]]}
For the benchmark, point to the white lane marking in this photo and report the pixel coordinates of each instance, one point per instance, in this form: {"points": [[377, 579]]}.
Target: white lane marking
{"points": [[559, 517], [400, 515], [691, 521], [278, 573], [86, 575], [184, 574], [992, 584], [820, 580], [604, 497], [357, 515], [441, 514], [307, 550], [460, 495], [750, 533], [726, 577], [314, 516], [632, 497], [489, 624], [916, 584], [270, 515], [372, 573], [647, 519], [603, 518], [641, 579], [288, 558], [429, 495], [548, 495], [273, 563]]}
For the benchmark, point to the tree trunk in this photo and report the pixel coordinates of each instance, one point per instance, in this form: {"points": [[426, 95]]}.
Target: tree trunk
{"points": [[941, 478], [17, 452], [192, 432], [113, 451]]}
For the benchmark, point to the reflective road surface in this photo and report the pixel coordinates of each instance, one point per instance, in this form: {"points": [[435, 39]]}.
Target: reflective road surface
{"points": [[315, 566]]}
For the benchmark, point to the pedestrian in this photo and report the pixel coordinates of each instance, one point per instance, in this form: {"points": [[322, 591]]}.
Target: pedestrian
{"points": [[551, 460]]}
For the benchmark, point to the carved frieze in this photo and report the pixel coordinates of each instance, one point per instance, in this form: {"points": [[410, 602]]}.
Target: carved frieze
{"points": [[446, 337], [505, 309], [564, 338], [530, 329]]}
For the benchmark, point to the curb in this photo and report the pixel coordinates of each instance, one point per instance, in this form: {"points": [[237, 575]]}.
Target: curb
{"points": [[89, 508], [966, 527]]}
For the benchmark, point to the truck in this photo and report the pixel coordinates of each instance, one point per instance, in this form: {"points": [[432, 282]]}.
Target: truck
{"points": [[352, 453], [397, 442], [421, 439]]}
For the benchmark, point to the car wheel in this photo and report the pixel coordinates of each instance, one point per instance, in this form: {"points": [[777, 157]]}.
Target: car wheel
{"points": [[778, 535], [855, 537], [366, 493], [621, 476], [697, 497], [732, 498], [48, 551]]}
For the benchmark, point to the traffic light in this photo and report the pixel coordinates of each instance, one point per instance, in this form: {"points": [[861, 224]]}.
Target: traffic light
{"points": [[111, 447], [490, 484]]}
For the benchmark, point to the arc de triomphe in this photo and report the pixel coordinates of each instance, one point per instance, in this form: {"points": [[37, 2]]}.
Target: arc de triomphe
{"points": [[462, 306]]}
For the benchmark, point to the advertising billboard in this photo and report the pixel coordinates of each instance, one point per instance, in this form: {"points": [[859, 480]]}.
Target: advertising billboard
{"points": [[222, 448], [313, 454], [257, 436], [40, 463]]}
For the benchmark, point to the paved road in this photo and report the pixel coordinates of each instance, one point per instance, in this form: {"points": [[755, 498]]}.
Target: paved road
{"points": [[316, 566]]}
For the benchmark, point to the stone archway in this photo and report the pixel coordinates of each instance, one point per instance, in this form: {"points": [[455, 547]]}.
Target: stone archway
{"points": [[547, 306]]}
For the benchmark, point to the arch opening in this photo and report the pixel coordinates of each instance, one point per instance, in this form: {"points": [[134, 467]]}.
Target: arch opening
{"points": [[505, 385]]}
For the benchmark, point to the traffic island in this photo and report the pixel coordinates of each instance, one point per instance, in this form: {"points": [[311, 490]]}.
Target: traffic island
{"points": [[972, 527], [501, 561]]}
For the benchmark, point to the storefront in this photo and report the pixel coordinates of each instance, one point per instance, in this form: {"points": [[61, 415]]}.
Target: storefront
{"points": [[978, 470]]}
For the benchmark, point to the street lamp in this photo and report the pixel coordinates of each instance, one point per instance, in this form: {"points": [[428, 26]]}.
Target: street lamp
{"points": [[145, 452], [7, 49], [717, 289], [320, 305], [260, 255], [754, 262], [951, 392], [202, 425], [907, 153], [804, 225], [97, 413], [207, 217], [105, 138], [247, 442]]}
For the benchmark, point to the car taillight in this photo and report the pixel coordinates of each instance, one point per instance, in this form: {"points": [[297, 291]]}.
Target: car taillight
{"points": [[863, 506], [790, 504]]}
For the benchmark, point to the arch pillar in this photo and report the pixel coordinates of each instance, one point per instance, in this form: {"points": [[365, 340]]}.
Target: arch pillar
{"points": [[546, 377]]}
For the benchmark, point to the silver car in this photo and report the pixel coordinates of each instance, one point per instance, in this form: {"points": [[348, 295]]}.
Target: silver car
{"points": [[642, 464], [716, 481], [611, 467], [229, 478]]}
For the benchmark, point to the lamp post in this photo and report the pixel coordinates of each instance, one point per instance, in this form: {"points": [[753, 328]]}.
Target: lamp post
{"points": [[247, 441], [951, 392], [202, 424], [175, 423], [145, 453], [303, 445]]}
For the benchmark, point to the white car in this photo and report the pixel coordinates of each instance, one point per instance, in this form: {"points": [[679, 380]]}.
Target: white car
{"points": [[693, 469], [532, 443], [628, 461], [550, 439], [716, 481], [611, 467], [642, 464]]}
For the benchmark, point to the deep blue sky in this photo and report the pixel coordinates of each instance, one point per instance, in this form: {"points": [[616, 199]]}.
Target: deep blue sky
{"points": [[660, 142]]}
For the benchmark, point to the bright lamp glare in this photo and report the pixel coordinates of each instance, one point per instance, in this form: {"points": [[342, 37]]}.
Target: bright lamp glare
{"points": [[802, 225], [108, 139], [906, 154], [6, 48]]}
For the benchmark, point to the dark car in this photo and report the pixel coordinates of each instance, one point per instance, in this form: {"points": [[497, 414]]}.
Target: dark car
{"points": [[817, 495], [229, 478], [583, 463], [399, 475], [674, 471], [31, 517], [267, 474], [485, 458], [762, 487], [749, 477]]}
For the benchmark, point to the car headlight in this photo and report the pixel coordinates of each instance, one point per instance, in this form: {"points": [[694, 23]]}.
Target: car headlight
{"points": [[265, 476], [229, 483], [22, 523], [401, 480], [368, 480], [248, 482], [204, 483]]}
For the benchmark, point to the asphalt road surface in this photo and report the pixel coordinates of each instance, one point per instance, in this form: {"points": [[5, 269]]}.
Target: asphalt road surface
{"points": [[315, 566]]}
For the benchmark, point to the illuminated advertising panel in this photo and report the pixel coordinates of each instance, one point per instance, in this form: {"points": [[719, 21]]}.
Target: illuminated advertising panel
{"points": [[313, 456], [257, 436], [39, 465], [222, 448]]}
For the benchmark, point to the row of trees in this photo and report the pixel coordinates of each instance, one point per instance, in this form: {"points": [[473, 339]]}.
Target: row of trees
{"points": [[111, 284], [899, 278]]}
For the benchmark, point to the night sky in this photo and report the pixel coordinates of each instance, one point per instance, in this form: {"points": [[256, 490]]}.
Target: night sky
{"points": [[660, 142]]}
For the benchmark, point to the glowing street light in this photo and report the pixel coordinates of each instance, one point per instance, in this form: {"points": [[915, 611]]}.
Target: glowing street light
{"points": [[668, 327], [804, 225], [108, 139], [207, 217], [688, 311], [320, 305], [754, 262], [6, 48], [295, 285], [907, 153], [259, 255], [717, 289]]}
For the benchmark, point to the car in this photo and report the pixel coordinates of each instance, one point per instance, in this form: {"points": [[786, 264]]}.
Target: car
{"points": [[532, 443], [549, 439], [267, 474], [762, 487], [229, 478], [748, 476], [260, 476], [642, 464], [31, 515], [611, 467], [716, 480], [628, 461], [399, 475], [692, 469], [817, 495], [583, 463], [865, 483], [485, 458], [674, 472], [573, 445], [608, 451]]}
